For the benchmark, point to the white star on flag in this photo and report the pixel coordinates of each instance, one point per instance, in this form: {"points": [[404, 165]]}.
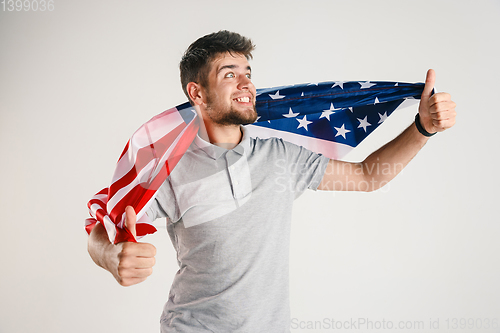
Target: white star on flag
{"points": [[326, 113], [341, 131], [290, 114], [376, 101], [339, 83], [277, 95], [383, 117], [303, 123], [366, 84], [364, 123]]}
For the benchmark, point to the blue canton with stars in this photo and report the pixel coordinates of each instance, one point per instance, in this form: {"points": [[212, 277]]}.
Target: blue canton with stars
{"points": [[343, 112]]}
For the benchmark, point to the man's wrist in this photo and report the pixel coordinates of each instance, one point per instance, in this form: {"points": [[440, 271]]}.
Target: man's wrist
{"points": [[420, 128]]}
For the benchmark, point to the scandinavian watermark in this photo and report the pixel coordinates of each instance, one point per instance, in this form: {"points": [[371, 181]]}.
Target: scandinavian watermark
{"points": [[339, 176]]}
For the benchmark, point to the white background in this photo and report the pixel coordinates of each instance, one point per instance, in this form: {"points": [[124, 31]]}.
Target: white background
{"points": [[76, 82]]}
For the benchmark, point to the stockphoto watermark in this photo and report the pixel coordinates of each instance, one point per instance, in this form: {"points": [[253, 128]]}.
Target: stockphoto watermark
{"points": [[365, 323], [339, 176], [354, 324]]}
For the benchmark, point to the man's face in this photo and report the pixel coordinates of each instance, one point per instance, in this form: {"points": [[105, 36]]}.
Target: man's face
{"points": [[230, 95]]}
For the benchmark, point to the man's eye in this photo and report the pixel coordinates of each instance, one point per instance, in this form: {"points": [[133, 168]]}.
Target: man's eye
{"points": [[230, 75], [249, 76]]}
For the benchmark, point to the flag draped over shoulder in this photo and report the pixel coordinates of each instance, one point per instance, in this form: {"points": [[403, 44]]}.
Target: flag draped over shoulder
{"points": [[330, 118]]}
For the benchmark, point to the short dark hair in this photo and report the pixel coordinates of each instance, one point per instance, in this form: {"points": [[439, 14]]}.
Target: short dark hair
{"points": [[195, 63]]}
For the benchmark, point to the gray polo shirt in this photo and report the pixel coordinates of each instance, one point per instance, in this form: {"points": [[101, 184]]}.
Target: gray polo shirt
{"points": [[228, 216]]}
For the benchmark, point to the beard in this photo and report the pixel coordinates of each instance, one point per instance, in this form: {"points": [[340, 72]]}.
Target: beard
{"points": [[224, 114]]}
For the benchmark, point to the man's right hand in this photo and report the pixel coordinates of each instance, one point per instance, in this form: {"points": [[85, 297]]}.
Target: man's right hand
{"points": [[129, 262]]}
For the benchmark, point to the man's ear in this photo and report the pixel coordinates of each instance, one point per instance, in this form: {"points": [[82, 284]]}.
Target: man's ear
{"points": [[195, 92]]}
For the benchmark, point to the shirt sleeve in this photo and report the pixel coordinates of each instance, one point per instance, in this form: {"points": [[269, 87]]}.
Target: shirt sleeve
{"points": [[306, 168], [158, 209]]}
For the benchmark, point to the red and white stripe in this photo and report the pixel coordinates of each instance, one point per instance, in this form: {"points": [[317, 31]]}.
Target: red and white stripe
{"points": [[148, 158]]}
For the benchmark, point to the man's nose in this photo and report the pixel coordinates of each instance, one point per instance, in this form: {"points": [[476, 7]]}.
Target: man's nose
{"points": [[245, 83]]}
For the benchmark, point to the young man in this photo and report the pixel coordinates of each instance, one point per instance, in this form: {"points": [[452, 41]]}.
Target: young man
{"points": [[228, 219]]}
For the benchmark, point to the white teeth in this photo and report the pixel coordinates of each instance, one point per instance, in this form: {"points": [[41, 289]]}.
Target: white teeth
{"points": [[243, 99]]}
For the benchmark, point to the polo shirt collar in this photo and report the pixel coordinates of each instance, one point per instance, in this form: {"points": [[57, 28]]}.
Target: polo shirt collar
{"points": [[215, 152]]}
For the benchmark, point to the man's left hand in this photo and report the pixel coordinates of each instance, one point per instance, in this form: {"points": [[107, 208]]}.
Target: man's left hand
{"points": [[437, 111]]}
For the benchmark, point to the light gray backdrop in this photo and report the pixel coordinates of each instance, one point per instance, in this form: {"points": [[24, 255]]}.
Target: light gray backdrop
{"points": [[77, 81]]}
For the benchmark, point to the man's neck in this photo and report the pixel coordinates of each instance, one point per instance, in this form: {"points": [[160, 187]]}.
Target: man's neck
{"points": [[228, 136]]}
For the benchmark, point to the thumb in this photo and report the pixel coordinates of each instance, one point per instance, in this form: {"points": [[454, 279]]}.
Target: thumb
{"points": [[430, 80], [130, 220]]}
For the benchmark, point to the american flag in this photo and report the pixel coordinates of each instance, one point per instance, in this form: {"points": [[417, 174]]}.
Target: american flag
{"points": [[328, 117], [148, 158]]}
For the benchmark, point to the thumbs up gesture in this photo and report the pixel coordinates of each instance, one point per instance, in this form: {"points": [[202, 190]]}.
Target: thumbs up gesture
{"points": [[131, 262], [436, 111]]}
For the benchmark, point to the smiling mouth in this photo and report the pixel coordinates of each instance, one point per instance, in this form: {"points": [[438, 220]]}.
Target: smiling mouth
{"points": [[243, 99]]}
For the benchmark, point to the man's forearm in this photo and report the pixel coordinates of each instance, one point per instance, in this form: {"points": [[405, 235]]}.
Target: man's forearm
{"points": [[385, 163]]}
